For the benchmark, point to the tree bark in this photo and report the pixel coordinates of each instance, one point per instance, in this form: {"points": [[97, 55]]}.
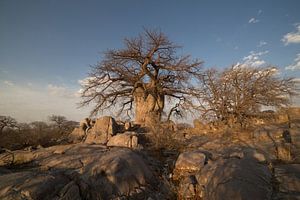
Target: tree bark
{"points": [[148, 108]]}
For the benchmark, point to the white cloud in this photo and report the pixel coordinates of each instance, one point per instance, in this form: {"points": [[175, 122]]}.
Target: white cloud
{"points": [[254, 59], [87, 81], [259, 12], [293, 37], [272, 70], [262, 43], [9, 83], [253, 20], [60, 91], [295, 65], [28, 104]]}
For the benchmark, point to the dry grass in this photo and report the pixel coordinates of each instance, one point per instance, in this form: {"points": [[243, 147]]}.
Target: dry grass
{"points": [[14, 140]]}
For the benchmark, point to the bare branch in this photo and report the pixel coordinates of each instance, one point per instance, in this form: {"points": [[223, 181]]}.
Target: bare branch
{"points": [[146, 70], [240, 92]]}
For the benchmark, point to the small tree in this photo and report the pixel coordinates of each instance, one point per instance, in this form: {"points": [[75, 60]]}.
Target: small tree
{"points": [[39, 127], [238, 93], [142, 75], [7, 122], [62, 124], [58, 120]]}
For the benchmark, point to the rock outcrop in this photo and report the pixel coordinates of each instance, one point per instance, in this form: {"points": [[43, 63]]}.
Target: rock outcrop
{"points": [[127, 139], [189, 162], [77, 171], [235, 178], [234, 175], [288, 179], [77, 135], [103, 129], [262, 164]]}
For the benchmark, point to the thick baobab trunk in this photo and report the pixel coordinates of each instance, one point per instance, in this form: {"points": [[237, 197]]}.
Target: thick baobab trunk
{"points": [[148, 109]]}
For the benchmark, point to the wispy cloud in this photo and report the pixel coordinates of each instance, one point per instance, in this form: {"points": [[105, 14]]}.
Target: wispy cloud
{"points": [[295, 65], [87, 81], [32, 103], [254, 59], [262, 43], [9, 83], [60, 91], [253, 20], [259, 12], [292, 37], [4, 71]]}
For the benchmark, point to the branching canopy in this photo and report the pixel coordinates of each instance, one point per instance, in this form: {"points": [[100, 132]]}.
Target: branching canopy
{"points": [[149, 63], [7, 122], [240, 91]]}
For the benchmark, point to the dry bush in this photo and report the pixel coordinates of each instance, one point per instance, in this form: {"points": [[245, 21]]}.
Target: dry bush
{"points": [[36, 133], [237, 94], [14, 139], [164, 136]]}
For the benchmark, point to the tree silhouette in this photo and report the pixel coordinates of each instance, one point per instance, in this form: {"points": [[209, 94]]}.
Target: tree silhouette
{"points": [[238, 93], [7, 122], [143, 75]]}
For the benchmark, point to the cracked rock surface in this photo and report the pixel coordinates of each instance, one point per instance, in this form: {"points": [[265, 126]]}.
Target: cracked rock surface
{"points": [[76, 171]]}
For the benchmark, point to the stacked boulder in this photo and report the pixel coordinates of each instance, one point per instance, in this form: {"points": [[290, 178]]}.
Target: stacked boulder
{"points": [[239, 175], [106, 131], [103, 129], [127, 139]]}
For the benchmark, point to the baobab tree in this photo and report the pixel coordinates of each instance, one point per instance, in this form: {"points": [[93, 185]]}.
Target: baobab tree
{"points": [[238, 93], [142, 76]]}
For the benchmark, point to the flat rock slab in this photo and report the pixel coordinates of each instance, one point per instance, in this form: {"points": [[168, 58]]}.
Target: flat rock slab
{"points": [[288, 177], [77, 171], [235, 178]]}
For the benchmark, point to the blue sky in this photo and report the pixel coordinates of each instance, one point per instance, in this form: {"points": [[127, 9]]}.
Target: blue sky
{"points": [[46, 47]]}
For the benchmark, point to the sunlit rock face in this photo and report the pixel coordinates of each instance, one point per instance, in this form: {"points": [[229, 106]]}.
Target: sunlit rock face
{"points": [[103, 129], [188, 162], [77, 135], [127, 139]]}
